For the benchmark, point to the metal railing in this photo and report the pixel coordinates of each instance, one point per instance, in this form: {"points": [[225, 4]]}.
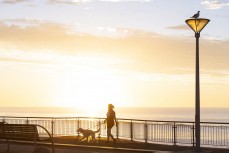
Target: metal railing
{"points": [[213, 134]]}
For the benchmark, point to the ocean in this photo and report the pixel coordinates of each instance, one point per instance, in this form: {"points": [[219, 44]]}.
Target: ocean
{"points": [[164, 114]]}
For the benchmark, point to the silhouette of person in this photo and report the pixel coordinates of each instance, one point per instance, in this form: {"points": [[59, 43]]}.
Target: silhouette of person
{"points": [[110, 121]]}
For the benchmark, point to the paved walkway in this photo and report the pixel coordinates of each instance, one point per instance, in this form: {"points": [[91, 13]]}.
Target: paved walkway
{"points": [[23, 148], [70, 145]]}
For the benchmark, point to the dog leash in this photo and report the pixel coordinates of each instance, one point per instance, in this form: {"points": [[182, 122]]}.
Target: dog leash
{"points": [[98, 125]]}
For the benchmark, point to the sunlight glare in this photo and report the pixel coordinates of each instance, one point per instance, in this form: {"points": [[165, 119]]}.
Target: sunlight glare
{"points": [[89, 89]]}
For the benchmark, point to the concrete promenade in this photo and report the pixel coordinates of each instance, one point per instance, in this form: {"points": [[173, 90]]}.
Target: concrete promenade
{"points": [[23, 148], [70, 145]]}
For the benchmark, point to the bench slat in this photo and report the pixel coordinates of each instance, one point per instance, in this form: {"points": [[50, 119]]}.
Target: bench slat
{"points": [[22, 132], [19, 131]]}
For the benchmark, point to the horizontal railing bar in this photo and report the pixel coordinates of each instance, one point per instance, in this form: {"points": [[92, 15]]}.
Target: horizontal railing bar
{"points": [[141, 120]]}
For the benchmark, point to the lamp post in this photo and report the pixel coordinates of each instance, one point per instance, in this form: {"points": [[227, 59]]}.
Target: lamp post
{"points": [[197, 24]]}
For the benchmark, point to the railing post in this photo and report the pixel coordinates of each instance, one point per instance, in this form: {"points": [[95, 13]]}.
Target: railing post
{"points": [[146, 131], [78, 126], [174, 133], [99, 129], [193, 135], [8, 146], [52, 123], [35, 136], [131, 130], [27, 120], [117, 128]]}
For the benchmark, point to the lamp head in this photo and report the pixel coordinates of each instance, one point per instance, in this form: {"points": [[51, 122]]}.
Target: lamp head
{"points": [[197, 24]]}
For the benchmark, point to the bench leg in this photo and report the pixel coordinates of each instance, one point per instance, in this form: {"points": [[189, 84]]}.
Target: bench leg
{"points": [[8, 145], [52, 148]]}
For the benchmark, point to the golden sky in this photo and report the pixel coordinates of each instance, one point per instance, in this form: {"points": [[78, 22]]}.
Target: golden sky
{"points": [[47, 65], [50, 61]]}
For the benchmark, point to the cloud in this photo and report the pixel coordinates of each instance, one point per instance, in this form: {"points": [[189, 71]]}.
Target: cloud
{"points": [[13, 1], [75, 2], [179, 27], [214, 4], [72, 2], [10, 59], [21, 22], [12, 54], [146, 51], [30, 29], [118, 1]]}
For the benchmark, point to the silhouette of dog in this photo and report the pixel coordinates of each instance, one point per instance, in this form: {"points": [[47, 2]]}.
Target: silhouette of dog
{"points": [[88, 133]]}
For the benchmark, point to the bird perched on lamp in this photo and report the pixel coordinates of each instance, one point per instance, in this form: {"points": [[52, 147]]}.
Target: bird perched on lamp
{"points": [[196, 15]]}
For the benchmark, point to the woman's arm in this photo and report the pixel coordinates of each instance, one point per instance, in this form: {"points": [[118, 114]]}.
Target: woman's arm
{"points": [[116, 123]]}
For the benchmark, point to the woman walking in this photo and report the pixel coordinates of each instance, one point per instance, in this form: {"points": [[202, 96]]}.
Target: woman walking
{"points": [[110, 121]]}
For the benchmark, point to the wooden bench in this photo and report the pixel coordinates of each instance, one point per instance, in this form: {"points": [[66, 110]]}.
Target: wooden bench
{"points": [[23, 132]]}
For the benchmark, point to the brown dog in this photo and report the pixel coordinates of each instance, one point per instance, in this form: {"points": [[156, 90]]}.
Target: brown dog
{"points": [[87, 133]]}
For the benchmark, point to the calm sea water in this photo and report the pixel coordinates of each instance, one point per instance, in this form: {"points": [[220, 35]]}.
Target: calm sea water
{"points": [[174, 114]]}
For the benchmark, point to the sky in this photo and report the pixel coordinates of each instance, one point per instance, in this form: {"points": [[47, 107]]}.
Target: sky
{"points": [[132, 53]]}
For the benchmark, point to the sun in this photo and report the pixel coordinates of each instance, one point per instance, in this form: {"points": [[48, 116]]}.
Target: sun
{"points": [[89, 90]]}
